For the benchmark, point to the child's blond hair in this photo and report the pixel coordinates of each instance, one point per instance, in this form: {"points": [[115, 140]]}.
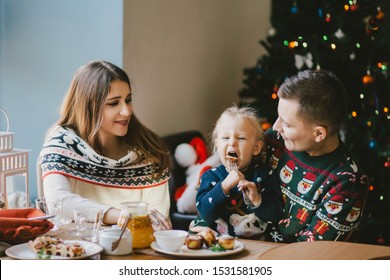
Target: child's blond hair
{"points": [[235, 112]]}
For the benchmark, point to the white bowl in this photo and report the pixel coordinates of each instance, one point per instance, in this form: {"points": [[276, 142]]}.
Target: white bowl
{"points": [[171, 240], [108, 236]]}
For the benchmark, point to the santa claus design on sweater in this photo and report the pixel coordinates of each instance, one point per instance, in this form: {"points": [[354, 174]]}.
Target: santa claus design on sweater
{"points": [[273, 161], [334, 205], [307, 182], [353, 215], [286, 172]]}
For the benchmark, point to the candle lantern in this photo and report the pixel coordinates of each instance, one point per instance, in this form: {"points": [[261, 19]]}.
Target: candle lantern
{"points": [[13, 171]]}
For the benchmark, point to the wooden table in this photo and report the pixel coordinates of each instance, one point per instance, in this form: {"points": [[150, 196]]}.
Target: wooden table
{"points": [[327, 250], [318, 250]]}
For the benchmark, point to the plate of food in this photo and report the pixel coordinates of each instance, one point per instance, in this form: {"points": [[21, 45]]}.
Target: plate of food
{"points": [[204, 245], [45, 247]]}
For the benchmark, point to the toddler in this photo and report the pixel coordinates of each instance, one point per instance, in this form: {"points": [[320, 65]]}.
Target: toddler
{"points": [[239, 197]]}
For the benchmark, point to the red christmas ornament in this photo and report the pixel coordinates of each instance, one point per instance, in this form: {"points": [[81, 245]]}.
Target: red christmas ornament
{"points": [[367, 79], [265, 125], [353, 7], [380, 240], [380, 15]]}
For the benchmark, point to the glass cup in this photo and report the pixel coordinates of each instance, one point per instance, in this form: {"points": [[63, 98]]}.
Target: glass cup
{"points": [[88, 221], [52, 207], [139, 223]]}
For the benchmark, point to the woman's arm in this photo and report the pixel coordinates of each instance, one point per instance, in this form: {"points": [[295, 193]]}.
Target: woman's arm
{"points": [[58, 186]]}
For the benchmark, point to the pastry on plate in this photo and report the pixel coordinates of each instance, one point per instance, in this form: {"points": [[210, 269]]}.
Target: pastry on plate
{"points": [[226, 241], [194, 242], [208, 237], [49, 246]]}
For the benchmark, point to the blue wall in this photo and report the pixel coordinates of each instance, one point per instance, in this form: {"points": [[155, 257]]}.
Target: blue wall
{"points": [[42, 43]]}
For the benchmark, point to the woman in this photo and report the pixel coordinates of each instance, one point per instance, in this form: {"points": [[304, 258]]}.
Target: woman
{"points": [[99, 154]]}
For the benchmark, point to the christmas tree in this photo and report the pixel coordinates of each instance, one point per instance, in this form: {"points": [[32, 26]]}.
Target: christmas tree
{"points": [[350, 39]]}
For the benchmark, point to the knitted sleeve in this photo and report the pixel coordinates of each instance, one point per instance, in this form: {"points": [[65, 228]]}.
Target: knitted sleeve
{"points": [[59, 186], [210, 199], [270, 209]]}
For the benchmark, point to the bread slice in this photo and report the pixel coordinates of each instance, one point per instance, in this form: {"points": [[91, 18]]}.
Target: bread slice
{"points": [[46, 245]]}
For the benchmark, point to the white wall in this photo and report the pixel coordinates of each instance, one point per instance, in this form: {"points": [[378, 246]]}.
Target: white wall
{"points": [[42, 43], [186, 57]]}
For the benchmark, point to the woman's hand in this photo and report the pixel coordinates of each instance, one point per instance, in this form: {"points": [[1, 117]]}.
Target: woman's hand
{"points": [[111, 217], [159, 221]]}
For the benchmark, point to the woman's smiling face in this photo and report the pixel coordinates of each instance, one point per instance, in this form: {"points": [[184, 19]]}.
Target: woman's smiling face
{"points": [[117, 111]]}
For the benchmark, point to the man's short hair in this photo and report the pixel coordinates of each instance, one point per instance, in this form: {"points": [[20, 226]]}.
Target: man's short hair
{"points": [[322, 98]]}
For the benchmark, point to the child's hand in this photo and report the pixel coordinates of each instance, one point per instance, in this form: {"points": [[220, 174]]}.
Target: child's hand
{"points": [[231, 180], [251, 191]]}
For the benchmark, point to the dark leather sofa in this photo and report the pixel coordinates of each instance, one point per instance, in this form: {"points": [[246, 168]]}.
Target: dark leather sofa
{"points": [[178, 176]]}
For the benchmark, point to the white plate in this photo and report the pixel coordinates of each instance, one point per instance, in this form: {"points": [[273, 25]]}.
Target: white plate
{"points": [[200, 253], [23, 252]]}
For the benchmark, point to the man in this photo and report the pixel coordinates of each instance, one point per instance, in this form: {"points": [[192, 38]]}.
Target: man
{"points": [[323, 188]]}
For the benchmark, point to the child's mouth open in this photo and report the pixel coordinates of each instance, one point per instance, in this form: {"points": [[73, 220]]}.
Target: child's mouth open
{"points": [[232, 157]]}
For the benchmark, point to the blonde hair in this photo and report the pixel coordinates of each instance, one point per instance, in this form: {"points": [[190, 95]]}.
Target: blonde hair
{"points": [[83, 106], [243, 113]]}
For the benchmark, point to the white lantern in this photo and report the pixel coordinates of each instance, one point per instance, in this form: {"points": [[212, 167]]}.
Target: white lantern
{"points": [[13, 171]]}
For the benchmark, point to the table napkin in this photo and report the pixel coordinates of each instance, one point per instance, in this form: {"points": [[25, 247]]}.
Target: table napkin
{"points": [[16, 228]]}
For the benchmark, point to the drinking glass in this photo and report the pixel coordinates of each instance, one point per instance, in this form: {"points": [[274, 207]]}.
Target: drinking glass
{"points": [[52, 207], [88, 221]]}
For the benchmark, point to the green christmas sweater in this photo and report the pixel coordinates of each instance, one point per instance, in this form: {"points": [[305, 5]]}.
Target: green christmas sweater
{"points": [[323, 195]]}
